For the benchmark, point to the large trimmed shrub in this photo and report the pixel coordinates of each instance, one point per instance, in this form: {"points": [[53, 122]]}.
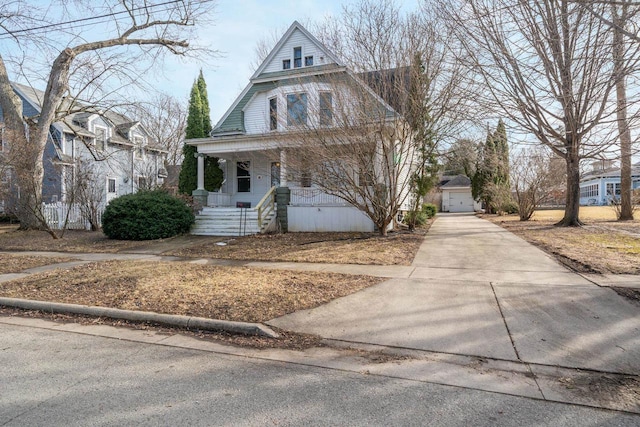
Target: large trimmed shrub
{"points": [[430, 210], [146, 215]]}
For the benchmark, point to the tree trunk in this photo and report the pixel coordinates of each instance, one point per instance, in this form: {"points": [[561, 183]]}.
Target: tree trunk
{"points": [[626, 207], [572, 207]]}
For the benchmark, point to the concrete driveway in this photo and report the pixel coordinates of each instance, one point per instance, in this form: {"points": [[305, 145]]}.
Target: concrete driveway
{"points": [[477, 289]]}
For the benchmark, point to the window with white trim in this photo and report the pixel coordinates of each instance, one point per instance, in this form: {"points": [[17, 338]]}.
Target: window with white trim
{"points": [[297, 57], [273, 113], [101, 138], [326, 109], [296, 109]]}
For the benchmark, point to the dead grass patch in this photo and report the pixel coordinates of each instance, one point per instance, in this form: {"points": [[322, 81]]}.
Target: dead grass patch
{"points": [[399, 248], [601, 246], [228, 293], [10, 263], [339, 248], [72, 241]]}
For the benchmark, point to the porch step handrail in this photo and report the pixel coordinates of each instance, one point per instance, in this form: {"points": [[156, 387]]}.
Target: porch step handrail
{"points": [[266, 205]]}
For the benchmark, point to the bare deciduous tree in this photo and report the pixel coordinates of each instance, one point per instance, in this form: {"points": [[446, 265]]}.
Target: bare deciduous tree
{"points": [[376, 156], [547, 66], [138, 29], [165, 119], [534, 177]]}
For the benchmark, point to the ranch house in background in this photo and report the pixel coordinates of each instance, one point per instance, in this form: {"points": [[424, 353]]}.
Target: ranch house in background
{"points": [[601, 185]]}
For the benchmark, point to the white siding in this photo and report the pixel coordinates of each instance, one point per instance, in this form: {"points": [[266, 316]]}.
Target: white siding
{"points": [[286, 52], [327, 218], [256, 114]]}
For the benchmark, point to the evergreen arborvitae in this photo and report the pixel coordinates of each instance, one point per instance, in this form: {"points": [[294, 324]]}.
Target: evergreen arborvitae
{"points": [[491, 180], [502, 153], [188, 180], [198, 126], [206, 111]]}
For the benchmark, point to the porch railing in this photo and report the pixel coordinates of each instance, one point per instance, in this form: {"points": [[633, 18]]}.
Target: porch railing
{"points": [[314, 197], [266, 205]]}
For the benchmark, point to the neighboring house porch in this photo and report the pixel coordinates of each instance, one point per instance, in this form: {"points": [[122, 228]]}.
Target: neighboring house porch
{"points": [[601, 186]]}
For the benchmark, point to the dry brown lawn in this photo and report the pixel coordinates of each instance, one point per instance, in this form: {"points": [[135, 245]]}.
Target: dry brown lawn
{"points": [[72, 241], [343, 248], [11, 263], [229, 293], [603, 245], [339, 248]]}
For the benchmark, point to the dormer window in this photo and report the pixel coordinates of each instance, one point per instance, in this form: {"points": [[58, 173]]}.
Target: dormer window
{"points": [[308, 61], [297, 57], [101, 138], [286, 64]]}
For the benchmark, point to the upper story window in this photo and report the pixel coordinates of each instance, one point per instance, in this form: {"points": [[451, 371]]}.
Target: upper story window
{"points": [[101, 138], [297, 109], [326, 109], [286, 64], [138, 150], [308, 61], [297, 57], [273, 113]]}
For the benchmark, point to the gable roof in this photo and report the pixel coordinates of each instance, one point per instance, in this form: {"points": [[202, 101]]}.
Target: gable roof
{"points": [[457, 182], [232, 122], [72, 124], [283, 40]]}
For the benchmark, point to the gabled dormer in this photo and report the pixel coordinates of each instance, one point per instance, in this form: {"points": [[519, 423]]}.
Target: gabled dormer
{"points": [[298, 51], [295, 59]]}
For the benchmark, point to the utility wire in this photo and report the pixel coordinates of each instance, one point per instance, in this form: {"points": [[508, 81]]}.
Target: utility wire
{"points": [[88, 21]]}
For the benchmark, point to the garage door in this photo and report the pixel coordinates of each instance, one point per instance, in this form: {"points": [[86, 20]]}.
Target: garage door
{"points": [[460, 202]]}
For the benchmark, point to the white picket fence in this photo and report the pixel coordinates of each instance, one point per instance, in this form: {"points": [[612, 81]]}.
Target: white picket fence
{"points": [[55, 214]]}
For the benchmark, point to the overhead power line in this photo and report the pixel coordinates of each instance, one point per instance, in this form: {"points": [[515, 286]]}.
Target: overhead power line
{"points": [[91, 20]]}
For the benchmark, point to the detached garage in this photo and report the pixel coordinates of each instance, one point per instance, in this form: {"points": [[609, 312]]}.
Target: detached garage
{"points": [[456, 195]]}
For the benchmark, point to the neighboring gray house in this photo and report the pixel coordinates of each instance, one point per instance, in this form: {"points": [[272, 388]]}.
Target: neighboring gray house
{"points": [[601, 185], [106, 152]]}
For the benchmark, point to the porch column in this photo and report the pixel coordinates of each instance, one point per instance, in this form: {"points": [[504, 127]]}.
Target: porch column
{"points": [[200, 158], [283, 168], [200, 195]]}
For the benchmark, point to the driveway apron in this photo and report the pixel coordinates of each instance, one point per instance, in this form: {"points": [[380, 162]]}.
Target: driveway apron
{"points": [[477, 289]]}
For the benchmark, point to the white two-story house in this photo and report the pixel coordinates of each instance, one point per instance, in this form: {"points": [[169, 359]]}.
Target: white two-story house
{"points": [[300, 86]]}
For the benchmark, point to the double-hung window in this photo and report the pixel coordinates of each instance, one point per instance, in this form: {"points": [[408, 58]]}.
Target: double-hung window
{"points": [[273, 113], [243, 176], [297, 57], [101, 138], [326, 109], [297, 109]]}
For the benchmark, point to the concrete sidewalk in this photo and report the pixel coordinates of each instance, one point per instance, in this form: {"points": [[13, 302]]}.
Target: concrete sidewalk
{"points": [[479, 290]]}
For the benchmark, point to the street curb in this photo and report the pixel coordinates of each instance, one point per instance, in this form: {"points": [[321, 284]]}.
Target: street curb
{"points": [[186, 322]]}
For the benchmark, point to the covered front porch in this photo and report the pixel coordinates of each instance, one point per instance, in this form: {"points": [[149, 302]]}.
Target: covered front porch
{"points": [[251, 178]]}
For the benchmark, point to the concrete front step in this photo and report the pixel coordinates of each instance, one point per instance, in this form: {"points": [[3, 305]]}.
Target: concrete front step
{"points": [[228, 222]]}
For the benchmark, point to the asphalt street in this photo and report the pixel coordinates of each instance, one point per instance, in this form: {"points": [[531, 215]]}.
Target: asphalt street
{"points": [[55, 378]]}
